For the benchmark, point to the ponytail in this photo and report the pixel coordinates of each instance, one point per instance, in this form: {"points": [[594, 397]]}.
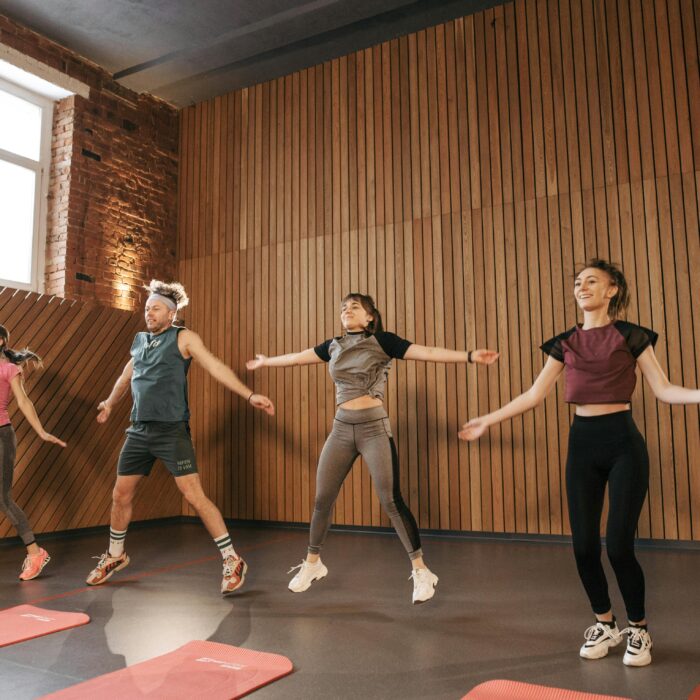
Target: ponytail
{"points": [[16, 357]]}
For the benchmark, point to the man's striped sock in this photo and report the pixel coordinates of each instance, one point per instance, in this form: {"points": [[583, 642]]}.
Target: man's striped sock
{"points": [[225, 546]]}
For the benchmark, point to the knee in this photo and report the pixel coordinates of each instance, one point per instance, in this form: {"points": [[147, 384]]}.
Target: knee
{"points": [[620, 552], [587, 549], [323, 503], [122, 496], [389, 505]]}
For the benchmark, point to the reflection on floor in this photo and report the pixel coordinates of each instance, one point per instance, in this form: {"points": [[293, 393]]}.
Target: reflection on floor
{"points": [[503, 609]]}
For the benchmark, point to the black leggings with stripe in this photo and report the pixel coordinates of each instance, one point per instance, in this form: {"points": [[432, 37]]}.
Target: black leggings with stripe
{"points": [[366, 432]]}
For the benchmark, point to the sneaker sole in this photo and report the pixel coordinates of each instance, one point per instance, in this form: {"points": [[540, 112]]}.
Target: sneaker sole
{"points": [[611, 645], [240, 583], [430, 597], [635, 663], [123, 565], [44, 563], [306, 588]]}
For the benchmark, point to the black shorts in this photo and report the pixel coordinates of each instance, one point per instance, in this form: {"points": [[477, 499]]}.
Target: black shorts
{"points": [[150, 440]]}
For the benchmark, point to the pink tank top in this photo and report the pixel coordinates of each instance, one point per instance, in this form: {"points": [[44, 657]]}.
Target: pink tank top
{"points": [[8, 372]]}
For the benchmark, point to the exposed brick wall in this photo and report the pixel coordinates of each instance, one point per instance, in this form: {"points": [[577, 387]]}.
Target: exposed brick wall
{"points": [[113, 184]]}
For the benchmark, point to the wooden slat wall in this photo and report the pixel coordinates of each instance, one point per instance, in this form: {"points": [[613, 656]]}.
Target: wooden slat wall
{"points": [[458, 175], [84, 348]]}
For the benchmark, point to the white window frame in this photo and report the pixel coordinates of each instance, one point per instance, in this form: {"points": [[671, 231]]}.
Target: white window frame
{"points": [[41, 192]]}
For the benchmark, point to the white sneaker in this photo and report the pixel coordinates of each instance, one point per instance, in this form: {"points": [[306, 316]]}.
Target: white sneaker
{"points": [[307, 574], [638, 647], [424, 582], [599, 638]]}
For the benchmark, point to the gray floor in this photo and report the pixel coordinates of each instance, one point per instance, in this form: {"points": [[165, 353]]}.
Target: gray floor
{"points": [[503, 609]]}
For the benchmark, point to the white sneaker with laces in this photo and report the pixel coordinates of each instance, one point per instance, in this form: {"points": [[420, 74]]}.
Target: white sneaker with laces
{"points": [[599, 638], [638, 647], [424, 582], [307, 574]]}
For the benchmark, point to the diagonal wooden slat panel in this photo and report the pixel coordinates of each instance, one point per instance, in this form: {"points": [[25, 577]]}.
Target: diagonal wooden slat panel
{"points": [[84, 348]]}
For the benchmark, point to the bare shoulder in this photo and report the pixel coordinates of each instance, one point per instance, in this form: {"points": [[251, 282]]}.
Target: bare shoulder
{"points": [[188, 342]]}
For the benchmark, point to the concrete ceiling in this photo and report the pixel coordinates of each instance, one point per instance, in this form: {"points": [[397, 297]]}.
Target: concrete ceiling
{"points": [[185, 51]]}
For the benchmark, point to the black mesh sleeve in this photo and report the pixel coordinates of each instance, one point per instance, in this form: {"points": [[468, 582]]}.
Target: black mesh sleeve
{"points": [[638, 338], [323, 349], [552, 347], [393, 345]]}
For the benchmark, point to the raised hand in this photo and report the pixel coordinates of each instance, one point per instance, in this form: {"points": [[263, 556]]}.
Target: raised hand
{"points": [[262, 402], [257, 363], [473, 429], [484, 357]]}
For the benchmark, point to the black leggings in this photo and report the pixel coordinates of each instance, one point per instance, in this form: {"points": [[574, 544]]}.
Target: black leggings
{"points": [[607, 449]]}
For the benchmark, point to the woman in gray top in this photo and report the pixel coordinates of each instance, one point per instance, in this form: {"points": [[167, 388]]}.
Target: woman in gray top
{"points": [[359, 363]]}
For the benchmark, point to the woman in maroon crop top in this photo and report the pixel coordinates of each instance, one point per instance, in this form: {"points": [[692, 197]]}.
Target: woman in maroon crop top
{"points": [[599, 358]]}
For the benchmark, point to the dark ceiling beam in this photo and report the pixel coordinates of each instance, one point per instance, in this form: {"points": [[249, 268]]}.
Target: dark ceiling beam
{"points": [[237, 33], [286, 59]]}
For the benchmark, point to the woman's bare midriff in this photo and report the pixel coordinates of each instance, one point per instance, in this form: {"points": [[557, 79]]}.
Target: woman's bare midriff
{"points": [[361, 402], [600, 409]]}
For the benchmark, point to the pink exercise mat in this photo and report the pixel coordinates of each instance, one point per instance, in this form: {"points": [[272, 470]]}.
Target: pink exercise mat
{"points": [[27, 622], [195, 671]]}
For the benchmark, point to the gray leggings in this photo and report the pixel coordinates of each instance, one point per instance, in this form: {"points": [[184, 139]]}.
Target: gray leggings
{"points": [[366, 432], [8, 447]]}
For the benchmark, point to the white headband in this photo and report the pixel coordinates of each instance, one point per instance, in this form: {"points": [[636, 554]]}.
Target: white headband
{"points": [[166, 300]]}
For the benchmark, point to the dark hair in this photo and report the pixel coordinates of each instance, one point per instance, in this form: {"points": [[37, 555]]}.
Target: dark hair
{"points": [[375, 325], [620, 302], [16, 357]]}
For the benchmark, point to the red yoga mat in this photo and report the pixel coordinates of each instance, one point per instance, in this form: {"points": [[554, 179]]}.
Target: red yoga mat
{"points": [[195, 671], [27, 622], [514, 690]]}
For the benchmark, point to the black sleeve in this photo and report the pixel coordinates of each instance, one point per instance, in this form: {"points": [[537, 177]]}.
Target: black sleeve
{"points": [[638, 338], [393, 345], [553, 348], [323, 349]]}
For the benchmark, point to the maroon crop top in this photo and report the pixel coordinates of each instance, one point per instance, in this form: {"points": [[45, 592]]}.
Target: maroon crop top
{"points": [[600, 363]]}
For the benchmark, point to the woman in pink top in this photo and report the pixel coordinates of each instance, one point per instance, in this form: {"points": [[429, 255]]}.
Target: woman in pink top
{"points": [[600, 358], [11, 362]]}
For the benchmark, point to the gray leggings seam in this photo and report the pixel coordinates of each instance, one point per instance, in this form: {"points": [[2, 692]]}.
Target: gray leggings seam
{"points": [[373, 440]]}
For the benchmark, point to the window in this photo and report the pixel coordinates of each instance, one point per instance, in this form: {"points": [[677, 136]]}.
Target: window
{"points": [[25, 151]]}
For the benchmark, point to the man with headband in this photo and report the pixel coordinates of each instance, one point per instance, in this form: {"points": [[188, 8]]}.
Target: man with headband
{"points": [[157, 374]]}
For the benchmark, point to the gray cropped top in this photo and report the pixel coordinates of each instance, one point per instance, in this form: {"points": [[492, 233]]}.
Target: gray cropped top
{"points": [[359, 362]]}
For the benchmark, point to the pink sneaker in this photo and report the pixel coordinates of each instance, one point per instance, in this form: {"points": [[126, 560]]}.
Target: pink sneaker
{"points": [[34, 565]]}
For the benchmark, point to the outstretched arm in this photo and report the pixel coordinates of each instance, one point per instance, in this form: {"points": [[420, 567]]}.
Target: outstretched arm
{"points": [[121, 386], [430, 354], [191, 345], [305, 357], [534, 396], [659, 383], [27, 407]]}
